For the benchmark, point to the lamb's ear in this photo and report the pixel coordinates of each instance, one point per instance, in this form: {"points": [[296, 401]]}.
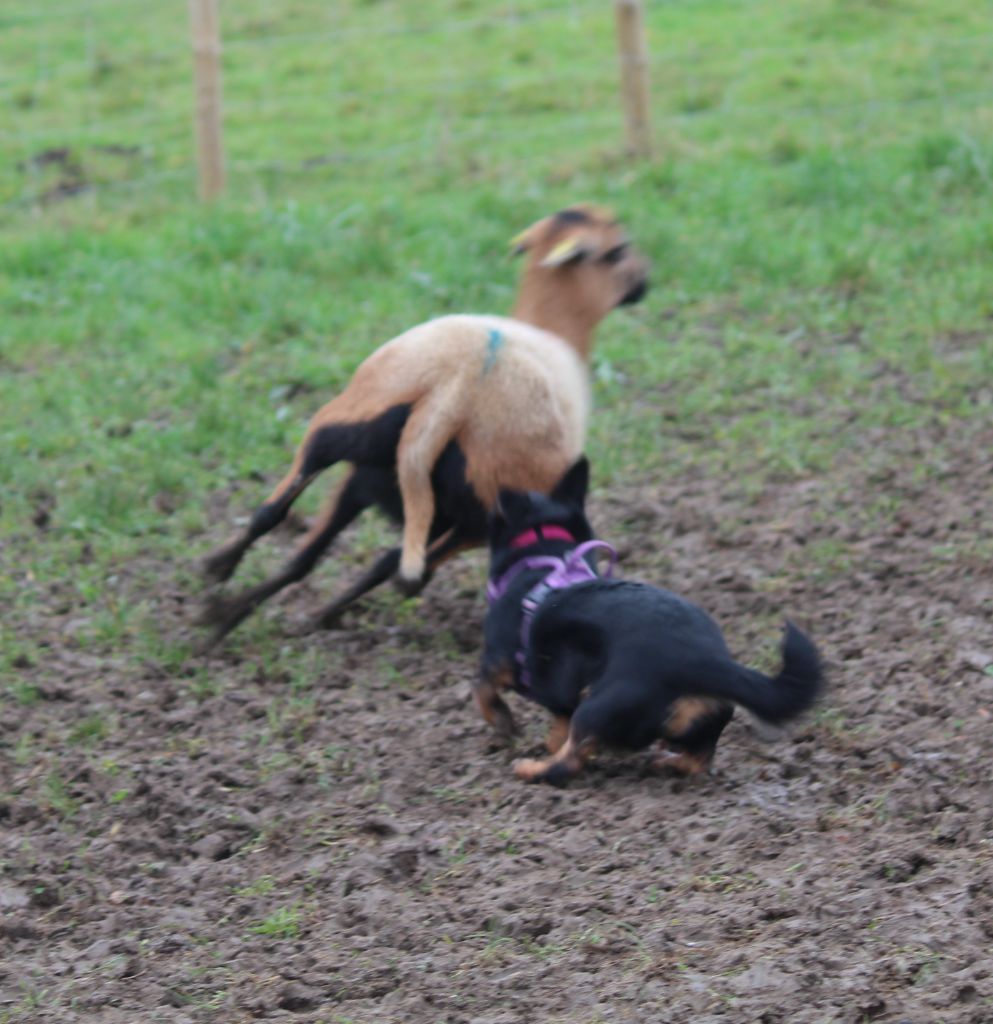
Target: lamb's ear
{"points": [[525, 239], [572, 488], [512, 506], [571, 249]]}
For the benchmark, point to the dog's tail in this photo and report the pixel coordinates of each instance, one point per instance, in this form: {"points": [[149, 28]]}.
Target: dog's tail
{"points": [[775, 699]]}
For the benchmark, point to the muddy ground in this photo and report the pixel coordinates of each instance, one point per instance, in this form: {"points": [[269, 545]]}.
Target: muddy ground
{"points": [[232, 841]]}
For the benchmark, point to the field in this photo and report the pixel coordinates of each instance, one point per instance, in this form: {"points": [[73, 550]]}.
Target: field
{"points": [[797, 422]]}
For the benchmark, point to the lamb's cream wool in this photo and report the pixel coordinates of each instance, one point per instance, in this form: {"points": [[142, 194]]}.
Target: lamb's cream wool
{"points": [[511, 393]]}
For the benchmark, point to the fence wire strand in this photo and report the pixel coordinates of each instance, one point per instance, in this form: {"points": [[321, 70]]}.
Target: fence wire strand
{"points": [[456, 109]]}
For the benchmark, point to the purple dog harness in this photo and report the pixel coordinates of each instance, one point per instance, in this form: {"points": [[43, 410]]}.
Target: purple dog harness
{"points": [[562, 573]]}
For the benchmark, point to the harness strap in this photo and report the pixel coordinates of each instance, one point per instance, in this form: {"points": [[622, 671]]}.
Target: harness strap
{"points": [[562, 573], [529, 537], [495, 589]]}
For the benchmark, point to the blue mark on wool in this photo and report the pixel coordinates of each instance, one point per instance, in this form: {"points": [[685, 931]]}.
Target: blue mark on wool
{"points": [[494, 343]]}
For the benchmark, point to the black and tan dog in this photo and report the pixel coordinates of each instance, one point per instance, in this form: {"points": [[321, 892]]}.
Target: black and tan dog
{"points": [[619, 664], [437, 420]]}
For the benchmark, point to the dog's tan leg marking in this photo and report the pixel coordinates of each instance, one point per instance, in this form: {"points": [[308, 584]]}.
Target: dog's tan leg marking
{"points": [[680, 763], [684, 715], [558, 733], [684, 712], [493, 707], [424, 437], [567, 762]]}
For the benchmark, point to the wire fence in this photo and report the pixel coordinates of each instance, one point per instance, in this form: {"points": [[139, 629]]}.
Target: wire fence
{"points": [[98, 96]]}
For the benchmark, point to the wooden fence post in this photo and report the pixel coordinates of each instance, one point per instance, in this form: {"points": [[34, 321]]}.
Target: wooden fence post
{"points": [[205, 27], [633, 53]]}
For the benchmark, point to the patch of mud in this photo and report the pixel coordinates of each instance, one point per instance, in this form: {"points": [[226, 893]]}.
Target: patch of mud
{"points": [[61, 172], [236, 841], [61, 167]]}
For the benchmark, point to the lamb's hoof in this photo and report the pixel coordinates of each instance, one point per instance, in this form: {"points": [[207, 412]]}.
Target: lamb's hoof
{"points": [[409, 587], [220, 566], [329, 618], [220, 615], [210, 640], [215, 611], [207, 644]]}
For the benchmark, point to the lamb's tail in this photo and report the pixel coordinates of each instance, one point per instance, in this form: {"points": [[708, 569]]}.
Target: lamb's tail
{"points": [[775, 699]]}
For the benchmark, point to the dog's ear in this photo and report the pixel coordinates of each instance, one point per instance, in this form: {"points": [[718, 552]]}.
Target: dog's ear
{"points": [[572, 488], [512, 506]]}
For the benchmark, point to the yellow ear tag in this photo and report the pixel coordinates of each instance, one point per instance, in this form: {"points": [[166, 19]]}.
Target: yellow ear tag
{"points": [[561, 253], [519, 242]]}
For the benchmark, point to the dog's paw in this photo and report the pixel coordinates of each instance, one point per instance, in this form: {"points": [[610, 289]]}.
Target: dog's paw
{"points": [[671, 762], [529, 769], [552, 773]]}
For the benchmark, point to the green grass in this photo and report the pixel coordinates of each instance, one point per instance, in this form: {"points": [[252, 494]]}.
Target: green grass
{"points": [[57, 797], [818, 212], [282, 923]]}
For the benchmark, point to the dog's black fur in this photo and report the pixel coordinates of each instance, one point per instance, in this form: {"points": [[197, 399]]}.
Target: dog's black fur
{"points": [[620, 664]]}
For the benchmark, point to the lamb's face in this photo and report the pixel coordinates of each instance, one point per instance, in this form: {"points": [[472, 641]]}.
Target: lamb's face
{"points": [[586, 253]]}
